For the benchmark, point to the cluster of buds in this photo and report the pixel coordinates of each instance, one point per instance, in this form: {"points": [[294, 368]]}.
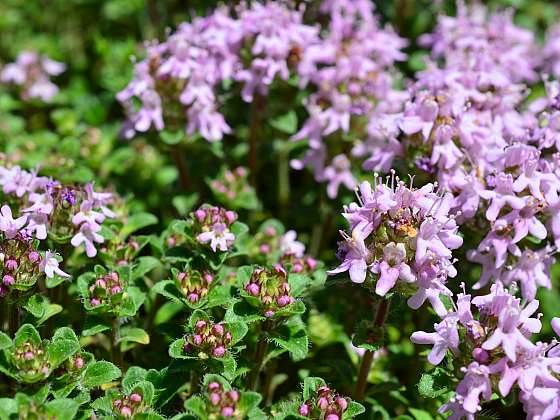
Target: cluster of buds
{"points": [[326, 404], [271, 287], [222, 403], [128, 405], [208, 339], [194, 284], [231, 184], [212, 224], [106, 290], [305, 264], [123, 252], [266, 241], [20, 264], [31, 362]]}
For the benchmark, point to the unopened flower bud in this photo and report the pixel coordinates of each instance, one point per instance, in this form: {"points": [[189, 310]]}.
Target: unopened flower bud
{"points": [[297, 268], [193, 297], [117, 403], [33, 256], [28, 355], [200, 215], [78, 362], [94, 302], [213, 385], [264, 248], [219, 351], [322, 403], [332, 416], [218, 329], [215, 398], [113, 276], [230, 216], [126, 411], [227, 411], [270, 231], [8, 280], [311, 263], [480, 355], [269, 313], [233, 395], [342, 403], [115, 290], [100, 283], [283, 300], [208, 278], [200, 324], [304, 410], [11, 264], [181, 276], [197, 339], [253, 289], [135, 397]]}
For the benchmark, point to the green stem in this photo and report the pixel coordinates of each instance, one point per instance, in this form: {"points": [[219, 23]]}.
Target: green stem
{"points": [[260, 353], [13, 318], [116, 355], [367, 360]]}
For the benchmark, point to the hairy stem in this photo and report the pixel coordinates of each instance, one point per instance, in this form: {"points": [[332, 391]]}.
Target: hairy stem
{"points": [[367, 360]]}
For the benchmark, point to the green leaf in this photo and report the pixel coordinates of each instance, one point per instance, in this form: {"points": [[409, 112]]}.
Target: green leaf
{"points": [[62, 408], [197, 406], [176, 349], [5, 341], [172, 137], [291, 337], [95, 325], [420, 414], [99, 373], [427, 386], [184, 203], [286, 123], [27, 333], [354, 409], [136, 222], [61, 349], [136, 335], [243, 275], [145, 265]]}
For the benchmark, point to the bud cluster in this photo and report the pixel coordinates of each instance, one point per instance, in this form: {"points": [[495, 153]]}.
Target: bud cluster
{"points": [[222, 403], [305, 264], [194, 284], [107, 289], [31, 361], [211, 225], [128, 405], [326, 404], [231, 184], [266, 241], [20, 264], [208, 339], [271, 287]]}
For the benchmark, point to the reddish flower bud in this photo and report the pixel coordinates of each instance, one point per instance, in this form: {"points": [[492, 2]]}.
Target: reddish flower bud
{"points": [[33, 256], [480, 355], [135, 397], [304, 410], [219, 351], [8, 280], [78, 363], [215, 398], [218, 329], [227, 411], [11, 264], [253, 289], [200, 324], [342, 403]]}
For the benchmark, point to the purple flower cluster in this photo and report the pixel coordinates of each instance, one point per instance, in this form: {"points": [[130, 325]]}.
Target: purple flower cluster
{"points": [[325, 404], [193, 284], [351, 70], [271, 288], [106, 290], [403, 238], [129, 405], [50, 208], [465, 125], [211, 226], [496, 353], [31, 73], [187, 70], [208, 339], [222, 403]]}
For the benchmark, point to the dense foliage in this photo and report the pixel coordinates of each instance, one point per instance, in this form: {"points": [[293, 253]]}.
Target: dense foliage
{"points": [[325, 209]]}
